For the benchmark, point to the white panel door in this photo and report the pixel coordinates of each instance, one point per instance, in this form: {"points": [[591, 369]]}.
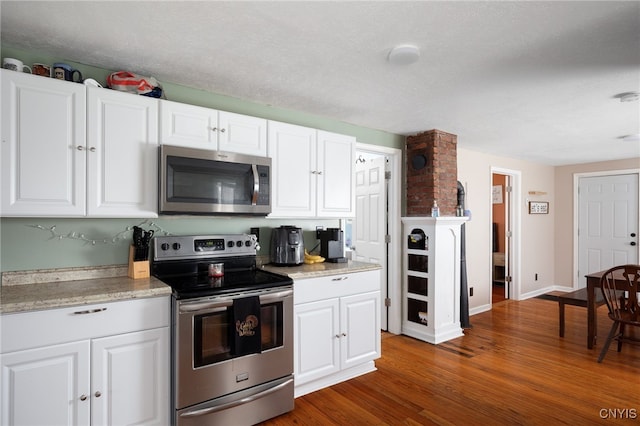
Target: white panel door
{"points": [[316, 339], [122, 140], [608, 223], [43, 142], [242, 133], [46, 386], [370, 223], [336, 188], [292, 150], [130, 379], [360, 323]]}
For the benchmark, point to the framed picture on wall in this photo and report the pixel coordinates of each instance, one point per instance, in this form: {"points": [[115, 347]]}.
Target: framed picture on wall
{"points": [[496, 194], [538, 207]]}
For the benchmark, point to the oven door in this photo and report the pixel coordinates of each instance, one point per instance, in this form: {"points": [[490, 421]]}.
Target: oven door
{"points": [[202, 181], [205, 366]]}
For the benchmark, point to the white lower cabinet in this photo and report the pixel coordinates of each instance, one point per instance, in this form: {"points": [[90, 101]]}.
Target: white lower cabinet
{"points": [[336, 329], [118, 379]]}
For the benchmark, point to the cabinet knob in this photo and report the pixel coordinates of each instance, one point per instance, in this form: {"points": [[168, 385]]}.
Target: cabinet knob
{"points": [[92, 149], [97, 394], [337, 336], [319, 173], [222, 130], [80, 148], [344, 334], [214, 129], [83, 397]]}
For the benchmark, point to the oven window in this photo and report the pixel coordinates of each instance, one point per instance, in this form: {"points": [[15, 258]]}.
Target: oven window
{"points": [[272, 329], [211, 338], [213, 333]]}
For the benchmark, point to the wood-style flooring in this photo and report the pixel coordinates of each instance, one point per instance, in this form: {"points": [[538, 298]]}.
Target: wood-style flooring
{"points": [[511, 368]]}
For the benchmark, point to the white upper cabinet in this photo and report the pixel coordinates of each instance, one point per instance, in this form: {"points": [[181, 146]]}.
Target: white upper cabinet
{"points": [[312, 172], [204, 128], [43, 146], [122, 142], [73, 151], [336, 184]]}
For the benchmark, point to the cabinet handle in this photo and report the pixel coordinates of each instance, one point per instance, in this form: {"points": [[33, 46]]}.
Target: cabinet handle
{"points": [[337, 336], [98, 394], [214, 129], [89, 311], [222, 130], [80, 148], [83, 397], [319, 173], [92, 149], [339, 279], [341, 335], [344, 334]]}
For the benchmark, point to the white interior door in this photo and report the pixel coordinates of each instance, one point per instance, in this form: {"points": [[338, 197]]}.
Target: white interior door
{"points": [[607, 223], [370, 222]]}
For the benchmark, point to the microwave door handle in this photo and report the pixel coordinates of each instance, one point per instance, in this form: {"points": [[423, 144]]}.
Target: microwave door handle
{"points": [[256, 185]]}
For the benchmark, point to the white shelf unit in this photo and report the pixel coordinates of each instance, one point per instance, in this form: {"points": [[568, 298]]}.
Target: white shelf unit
{"points": [[431, 278]]}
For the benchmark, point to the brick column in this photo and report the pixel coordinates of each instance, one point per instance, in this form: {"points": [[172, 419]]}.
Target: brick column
{"points": [[433, 179]]}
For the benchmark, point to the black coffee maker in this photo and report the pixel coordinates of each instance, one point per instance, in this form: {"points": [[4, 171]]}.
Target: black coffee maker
{"points": [[332, 245]]}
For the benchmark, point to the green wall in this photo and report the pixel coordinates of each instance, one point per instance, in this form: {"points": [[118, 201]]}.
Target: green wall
{"points": [[29, 243]]}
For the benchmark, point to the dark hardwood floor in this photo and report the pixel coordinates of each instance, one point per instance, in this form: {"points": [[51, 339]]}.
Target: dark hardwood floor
{"points": [[510, 368]]}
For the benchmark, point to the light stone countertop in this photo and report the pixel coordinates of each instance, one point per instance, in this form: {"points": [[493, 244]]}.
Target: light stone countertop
{"points": [[24, 291], [321, 269]]}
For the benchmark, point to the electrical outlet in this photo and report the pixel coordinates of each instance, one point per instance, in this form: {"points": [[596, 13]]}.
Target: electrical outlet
{"points": [[470, 291], [318, 229]]}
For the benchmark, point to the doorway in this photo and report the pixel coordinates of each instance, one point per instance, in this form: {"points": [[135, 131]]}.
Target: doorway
{"points": [[505, 231], [607, 208], [375, 231], [500, 236]]}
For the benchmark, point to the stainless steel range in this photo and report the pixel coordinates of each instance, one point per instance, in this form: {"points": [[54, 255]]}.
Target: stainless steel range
{"points": [[232, 330]]}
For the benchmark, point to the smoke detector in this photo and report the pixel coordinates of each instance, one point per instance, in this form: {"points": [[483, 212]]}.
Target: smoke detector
{"points": [[404, 54]]}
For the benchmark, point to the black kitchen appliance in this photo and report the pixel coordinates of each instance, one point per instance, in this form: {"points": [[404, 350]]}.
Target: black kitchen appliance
{"points": [[231, 331], [332, 245], [287, 246]]}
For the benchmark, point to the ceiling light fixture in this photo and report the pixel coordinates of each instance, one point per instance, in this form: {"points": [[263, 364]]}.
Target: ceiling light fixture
{"points": [[629, 96], [404, 54]]}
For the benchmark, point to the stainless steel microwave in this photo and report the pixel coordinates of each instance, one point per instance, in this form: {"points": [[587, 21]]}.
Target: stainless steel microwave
{"points": [[199, 181]]}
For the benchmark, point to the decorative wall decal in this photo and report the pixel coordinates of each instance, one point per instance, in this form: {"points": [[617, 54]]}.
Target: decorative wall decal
{"points": [[115, 239]]}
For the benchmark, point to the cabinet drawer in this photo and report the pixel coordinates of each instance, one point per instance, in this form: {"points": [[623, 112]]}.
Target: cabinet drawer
{"points": [[312, 289], [32, 329]]}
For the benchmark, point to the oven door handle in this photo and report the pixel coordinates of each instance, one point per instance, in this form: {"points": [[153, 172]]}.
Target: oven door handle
{"points": [[215, 409], [206, 306], [275, 297]]}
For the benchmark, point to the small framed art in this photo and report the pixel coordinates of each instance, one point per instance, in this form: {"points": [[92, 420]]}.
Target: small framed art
{"points": [[538, 207]]}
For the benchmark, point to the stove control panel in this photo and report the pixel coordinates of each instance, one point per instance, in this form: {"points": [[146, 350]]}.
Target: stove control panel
{"points": [[198, 246]]}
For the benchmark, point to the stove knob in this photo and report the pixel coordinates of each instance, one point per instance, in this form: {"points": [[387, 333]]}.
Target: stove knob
{"points": [[176, 246], [247, 243], [230, 244], [239, 243], [165, 246]]}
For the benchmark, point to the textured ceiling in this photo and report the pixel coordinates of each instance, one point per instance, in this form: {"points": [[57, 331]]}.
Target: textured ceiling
{"points": [[526, 79]]}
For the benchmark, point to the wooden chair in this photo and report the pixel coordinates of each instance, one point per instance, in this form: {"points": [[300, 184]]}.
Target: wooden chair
{"points": [[620, 287]]}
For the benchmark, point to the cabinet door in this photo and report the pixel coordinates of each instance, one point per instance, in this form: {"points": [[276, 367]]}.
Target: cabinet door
{"points": [[360, 322], [336, 184], [242, 133], [188, 125], [46, 386], [122, 141], [43, 142], [130, 379], [316, 340], [293, 153]]}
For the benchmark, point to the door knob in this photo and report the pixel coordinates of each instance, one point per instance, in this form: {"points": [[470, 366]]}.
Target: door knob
{"points": [[633, 234], [633, 243]]}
